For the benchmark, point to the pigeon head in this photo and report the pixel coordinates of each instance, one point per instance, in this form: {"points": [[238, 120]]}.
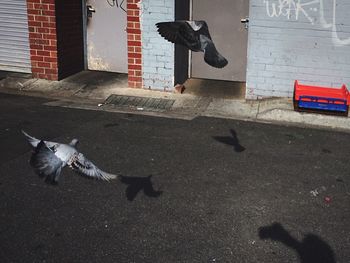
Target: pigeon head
{"points": [[74, 142]]}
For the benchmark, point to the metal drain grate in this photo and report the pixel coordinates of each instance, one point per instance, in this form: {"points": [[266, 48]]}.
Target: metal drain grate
{"points": [[155, 104]]}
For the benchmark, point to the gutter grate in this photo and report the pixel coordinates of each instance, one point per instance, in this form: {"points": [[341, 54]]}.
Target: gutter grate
{"points": [[154, 104]]}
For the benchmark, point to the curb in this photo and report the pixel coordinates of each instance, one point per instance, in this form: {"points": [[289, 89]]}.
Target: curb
{"points": [[186, 106], [306, 119]]}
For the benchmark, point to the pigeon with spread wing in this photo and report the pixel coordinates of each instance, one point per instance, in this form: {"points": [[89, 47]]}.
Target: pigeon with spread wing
{"points": [[49, 158], [195, 36]]}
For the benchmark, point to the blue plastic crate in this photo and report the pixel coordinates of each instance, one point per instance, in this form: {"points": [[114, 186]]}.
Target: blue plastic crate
{"points": [[321, 103]]}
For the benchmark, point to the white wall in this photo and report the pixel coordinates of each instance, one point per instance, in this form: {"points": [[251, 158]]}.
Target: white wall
{"points": [[308, 40], [157, 53]]}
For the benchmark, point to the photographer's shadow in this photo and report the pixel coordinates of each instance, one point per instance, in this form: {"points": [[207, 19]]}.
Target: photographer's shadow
{"points": [[312, 249]]}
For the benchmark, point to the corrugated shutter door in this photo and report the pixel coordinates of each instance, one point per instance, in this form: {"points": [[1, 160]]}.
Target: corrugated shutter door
{"points": [[14, 40]]}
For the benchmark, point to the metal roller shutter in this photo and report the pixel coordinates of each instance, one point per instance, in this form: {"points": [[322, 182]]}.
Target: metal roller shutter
{"points": [[14, 40]]}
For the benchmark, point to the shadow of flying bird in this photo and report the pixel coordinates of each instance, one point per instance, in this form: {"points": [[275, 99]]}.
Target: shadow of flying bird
{"points": [[231, 140], [137, 184], [195, 36]]}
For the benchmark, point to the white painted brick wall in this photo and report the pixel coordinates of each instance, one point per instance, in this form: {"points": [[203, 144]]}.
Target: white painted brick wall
{"points": [[157, 53], [304, 46]]}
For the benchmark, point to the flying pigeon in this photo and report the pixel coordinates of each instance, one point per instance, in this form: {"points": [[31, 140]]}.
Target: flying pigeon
{"points": [[195, 36], [49, 158]]}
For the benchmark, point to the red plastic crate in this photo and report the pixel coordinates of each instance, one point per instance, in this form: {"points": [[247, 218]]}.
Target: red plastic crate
{"points": [[321, 98], [321, 92]]}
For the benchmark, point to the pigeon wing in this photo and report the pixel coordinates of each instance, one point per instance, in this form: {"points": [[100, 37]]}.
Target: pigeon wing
{"points": [[34, 141], [83, 166], [211, 55], [46, 163], [179, 32]]}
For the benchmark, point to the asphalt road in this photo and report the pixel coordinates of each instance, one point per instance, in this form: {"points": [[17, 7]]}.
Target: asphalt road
{"points": [[220, 190]]}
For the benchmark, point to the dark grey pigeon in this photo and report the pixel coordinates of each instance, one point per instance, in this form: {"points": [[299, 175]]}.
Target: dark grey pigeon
{"points": [[49, 158], [195, 36]]}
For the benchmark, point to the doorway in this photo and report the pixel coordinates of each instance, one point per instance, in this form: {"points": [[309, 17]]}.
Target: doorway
{"points": [[106, 36], [230, 36]]}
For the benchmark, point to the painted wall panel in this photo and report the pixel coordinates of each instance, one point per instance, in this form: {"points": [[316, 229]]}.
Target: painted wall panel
{"points": [[107, 37]]}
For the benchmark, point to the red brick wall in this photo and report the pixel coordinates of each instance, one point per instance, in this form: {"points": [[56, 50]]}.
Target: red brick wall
{"points": [[134, 45], [56, 52], [43, 38]]}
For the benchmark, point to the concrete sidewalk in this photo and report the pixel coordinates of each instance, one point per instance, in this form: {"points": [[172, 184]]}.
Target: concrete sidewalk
{"points": [[89, 90]]}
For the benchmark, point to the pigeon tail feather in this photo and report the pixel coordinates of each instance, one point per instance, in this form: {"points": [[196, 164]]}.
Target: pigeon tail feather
{"points": [[213, 57], [217, 61], [46, 164], [53, 178]]}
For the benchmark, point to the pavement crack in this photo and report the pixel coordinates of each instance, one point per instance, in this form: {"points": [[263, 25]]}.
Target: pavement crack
{"points": [[258, 110]]}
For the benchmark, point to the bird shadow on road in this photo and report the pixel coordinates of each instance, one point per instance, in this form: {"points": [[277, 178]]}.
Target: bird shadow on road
{"points": [[312, 249], [138, 184], [231, 140], [111, 125]]}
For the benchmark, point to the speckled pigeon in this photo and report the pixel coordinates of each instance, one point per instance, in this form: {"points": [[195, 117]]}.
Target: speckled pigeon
{"points": [[195, 36], [49, 158]]}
